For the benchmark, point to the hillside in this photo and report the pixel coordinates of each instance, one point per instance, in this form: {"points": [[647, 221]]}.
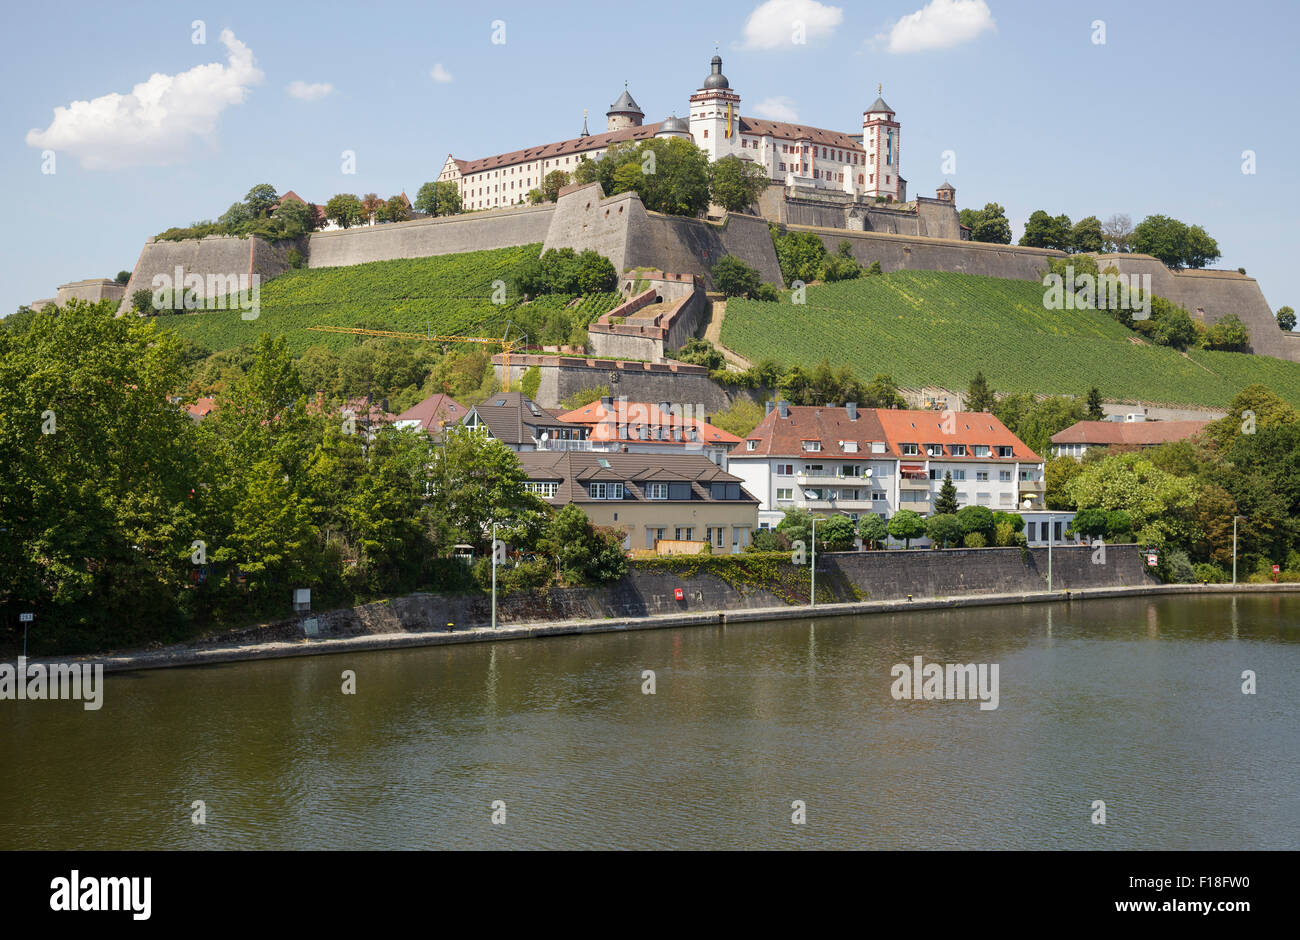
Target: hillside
{"points": [[934, 328], [452, 293]]}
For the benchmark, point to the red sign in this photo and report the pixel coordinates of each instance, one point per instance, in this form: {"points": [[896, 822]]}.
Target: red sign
{"points": [[1151, 561], [679, 594], [1277, 569]]}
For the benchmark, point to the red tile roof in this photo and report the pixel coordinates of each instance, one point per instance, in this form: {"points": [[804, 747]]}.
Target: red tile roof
{"points": [[783, 130], [1141, 433], [202, 407], [562, 148], [435, 412], [784, 437], [622, 422]]}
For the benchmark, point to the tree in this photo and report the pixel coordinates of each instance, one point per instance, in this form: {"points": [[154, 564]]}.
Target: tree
{"points": [[1043, 231], [701, 352], [977, 519], [552, 183], [1169, 325], [906, 525], [1118, 233], [371, 204], [736, 184], [944, 530], [125, 276], [1285, 319], [734, 278], [1095, 412], [835, 534], [395, 210], [426, 200], [1228, 334], [344, 210], [800, 255], [1057, 473], [1092, 523], [796, 525], [1087, 235], [882, 392], [476, 479], [293, 218], [1157, 502], [741, 418], [584, 552], [872, 530], [979, 397], [992, 226], [1175, 243], [261, 199], [946, 503]]}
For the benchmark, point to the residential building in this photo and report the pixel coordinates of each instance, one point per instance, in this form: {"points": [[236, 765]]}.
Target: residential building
{"points": [[651, 428], [432, 415], [1130, 434], [523, 425], [649, 497], [854, 461]]}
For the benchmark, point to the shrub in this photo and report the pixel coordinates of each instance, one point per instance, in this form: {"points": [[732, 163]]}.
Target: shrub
{"points": [[768, 540], [944, 530], [735, 278], [1176, 567], [838, 268], [975, 540], [874, 269], [1004, 534], [766, 293], [1207, 573], [977, 519]]}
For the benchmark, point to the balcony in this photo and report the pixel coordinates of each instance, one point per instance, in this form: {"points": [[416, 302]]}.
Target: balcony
{"points": [[1032, 487], [915, 484], [920, 505], [816, 477], [570, 444]]}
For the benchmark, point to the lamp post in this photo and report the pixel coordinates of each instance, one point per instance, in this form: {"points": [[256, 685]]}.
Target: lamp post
{"points": [[812, 597], [1234, 547], [1051, 537], [494, 575]]}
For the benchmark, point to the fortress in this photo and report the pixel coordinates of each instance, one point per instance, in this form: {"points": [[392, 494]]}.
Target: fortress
{"points": [[836, 186]]}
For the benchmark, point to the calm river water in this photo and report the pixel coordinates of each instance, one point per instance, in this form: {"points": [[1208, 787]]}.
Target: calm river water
{"points": [[1137, 703]]}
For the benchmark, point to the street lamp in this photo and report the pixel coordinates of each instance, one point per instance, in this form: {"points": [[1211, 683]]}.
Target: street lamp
{"points": [[1051, 537], [812, 597], [494, 574], [1234, 547]]}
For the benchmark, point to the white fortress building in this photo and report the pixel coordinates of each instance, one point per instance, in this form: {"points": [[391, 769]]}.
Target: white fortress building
{"points": [[863, 164]]}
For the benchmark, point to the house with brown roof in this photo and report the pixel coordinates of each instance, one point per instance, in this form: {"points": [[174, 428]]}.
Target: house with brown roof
{"points": [[854, 461], [432, 415], [523, 425], [1079, 438], [649, 497], [651, 428]]}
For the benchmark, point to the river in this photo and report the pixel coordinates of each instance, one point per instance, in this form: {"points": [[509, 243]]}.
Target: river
{"points": [[1134, 702]]}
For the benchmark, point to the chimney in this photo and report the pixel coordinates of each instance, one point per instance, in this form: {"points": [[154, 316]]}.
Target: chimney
{"points": [[784, 406], [607, 401], [767, 407], [852, 409]]}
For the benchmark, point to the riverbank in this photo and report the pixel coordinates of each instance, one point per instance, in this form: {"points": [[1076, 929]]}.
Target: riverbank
{"points": [[178, 656]]}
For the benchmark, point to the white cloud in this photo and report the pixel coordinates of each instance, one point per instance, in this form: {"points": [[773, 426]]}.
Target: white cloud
{"points": [[940, 24], [779, 108], [158, 121], [780, 23], [440, 74], [309, 91]]}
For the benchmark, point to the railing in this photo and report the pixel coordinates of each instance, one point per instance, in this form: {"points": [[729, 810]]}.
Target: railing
{"points": [[909, 483], [567, 444], [1032, 486]]}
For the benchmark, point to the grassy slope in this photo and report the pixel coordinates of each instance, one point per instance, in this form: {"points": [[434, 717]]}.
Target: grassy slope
{"points": [[935, 328], [451, 292]]}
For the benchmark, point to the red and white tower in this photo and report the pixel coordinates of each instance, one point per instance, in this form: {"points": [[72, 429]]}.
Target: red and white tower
{"points": [[880, 139]]}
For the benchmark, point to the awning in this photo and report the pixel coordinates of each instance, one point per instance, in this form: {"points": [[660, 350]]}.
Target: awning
{"points": [[913, 468]]}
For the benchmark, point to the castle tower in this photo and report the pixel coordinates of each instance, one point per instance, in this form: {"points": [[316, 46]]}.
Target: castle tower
{"points": [[946, 193], [624, 112], [880, 137], [715, 115]]}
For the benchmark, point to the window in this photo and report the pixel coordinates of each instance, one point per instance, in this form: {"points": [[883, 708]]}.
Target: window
{"points": [[981, 476], [684, 533], [877, 447], [877, 496], [958, 450], [1004, 499], [785, 469], [983, 499], [606, 490], [1004, 451], [751, 445], [723, 491], [934, 450], [656, 491], [812, 446], [784, 493], [850, 447], [910, 450], [1032, 533], [706, 132], [959, 474], [850, 470], [981, 450], [546, 490], [1004, 476], [1026, 475]]}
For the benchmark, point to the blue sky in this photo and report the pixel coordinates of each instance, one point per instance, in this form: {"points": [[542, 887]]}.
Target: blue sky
{"points": [[1037, 113]]}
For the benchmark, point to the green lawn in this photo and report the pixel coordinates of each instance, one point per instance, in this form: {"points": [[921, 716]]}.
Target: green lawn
{"points": [[935, 328], [450, 293]]}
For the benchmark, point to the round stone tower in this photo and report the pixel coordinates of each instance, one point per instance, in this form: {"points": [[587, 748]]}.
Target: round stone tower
{"points": [[624, 112]]}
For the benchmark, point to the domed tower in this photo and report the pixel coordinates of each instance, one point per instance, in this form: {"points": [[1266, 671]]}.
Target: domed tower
{"points": [[674, 127], [624, 112], [715, 114], [880, 138]]}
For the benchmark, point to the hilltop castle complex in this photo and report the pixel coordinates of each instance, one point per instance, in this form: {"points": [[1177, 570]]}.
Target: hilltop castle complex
{"points": [[848, 174]]}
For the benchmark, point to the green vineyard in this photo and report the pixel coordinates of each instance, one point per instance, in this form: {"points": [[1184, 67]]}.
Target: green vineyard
{"points": [[934, 328], [449, 294]]}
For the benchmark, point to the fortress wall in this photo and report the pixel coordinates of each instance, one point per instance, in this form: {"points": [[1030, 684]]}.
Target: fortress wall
{"points": [[216, 254], [584, 219], [423, 238], [899, 252], [562, 376], [1210, 295], [747, 238]]}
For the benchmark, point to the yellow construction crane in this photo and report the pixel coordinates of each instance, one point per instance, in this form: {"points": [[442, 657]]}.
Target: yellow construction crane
{"points": [[507, 345]]}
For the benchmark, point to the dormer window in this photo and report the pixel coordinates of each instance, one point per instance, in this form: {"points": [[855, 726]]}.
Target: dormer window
{"points": [[910, 450], [850, 447], [812, 446], [958, 450], [1004, 451], [751, 445], [981, 450], [934, 450], [877, 447]]}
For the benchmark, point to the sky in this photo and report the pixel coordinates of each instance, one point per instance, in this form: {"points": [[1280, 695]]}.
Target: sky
{"points": [[150, 128]]}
